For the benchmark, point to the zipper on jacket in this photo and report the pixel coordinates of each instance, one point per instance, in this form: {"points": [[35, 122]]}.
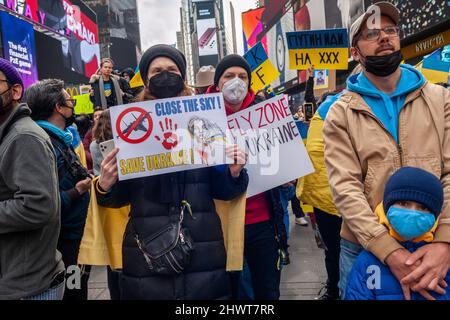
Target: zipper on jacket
{"points": [[398, 145]]}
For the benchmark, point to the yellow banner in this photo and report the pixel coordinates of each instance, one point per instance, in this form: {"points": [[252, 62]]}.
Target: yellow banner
{"points": [[321, 58], [84, 104], [263, 75], [136, 81], [435, 76]]}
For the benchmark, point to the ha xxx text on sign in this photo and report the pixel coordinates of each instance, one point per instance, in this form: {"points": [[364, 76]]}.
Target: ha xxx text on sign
{"points": [[325, 49]]}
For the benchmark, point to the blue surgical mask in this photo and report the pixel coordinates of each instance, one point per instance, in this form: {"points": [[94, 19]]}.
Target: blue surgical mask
{"points": [[410, 224]]}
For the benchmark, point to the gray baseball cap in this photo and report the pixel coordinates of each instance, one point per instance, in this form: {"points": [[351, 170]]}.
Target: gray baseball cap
{"points": [[385, 8]]}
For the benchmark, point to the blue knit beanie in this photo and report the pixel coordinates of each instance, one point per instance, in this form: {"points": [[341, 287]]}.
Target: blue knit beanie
{"points": [[414, 184]]}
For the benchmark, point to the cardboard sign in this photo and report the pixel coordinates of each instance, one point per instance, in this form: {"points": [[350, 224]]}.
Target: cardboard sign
{"points": [[169, 135], [325, 49], [276, 153], [320, 79], [84, 104], [263, 71]]}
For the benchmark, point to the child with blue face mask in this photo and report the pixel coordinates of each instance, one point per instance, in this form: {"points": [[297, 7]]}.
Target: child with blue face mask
{"points": [[412, 201]]}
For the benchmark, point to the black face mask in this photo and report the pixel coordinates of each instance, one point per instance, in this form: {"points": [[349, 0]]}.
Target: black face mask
{"points": [[383, 66], [166, 85], [70, 120], [5, 107]]}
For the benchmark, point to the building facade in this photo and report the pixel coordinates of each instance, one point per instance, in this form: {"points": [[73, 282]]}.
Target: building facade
{"points": [[118, 22], [208, 33]]}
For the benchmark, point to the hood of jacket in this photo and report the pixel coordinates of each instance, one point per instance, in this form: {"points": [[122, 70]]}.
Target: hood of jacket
{"points": [[95, 77], [386, 107], [20, 111], [129, 71], [410, 80]]}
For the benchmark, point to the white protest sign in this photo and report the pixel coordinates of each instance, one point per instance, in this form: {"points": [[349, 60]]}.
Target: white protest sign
{"points": [[169, 135], [268, 133]]}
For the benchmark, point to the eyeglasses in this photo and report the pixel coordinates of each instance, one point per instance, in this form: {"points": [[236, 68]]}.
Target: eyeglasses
{"points": [[74, 103], [374, 34]]}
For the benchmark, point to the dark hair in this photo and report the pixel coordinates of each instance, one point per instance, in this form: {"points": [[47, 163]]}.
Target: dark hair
{"points": [[84, 123], [43, 96], [102, 129], [99, 109]]}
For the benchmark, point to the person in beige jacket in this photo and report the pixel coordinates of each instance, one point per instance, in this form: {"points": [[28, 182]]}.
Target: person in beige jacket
{"points": [[390, 117]]}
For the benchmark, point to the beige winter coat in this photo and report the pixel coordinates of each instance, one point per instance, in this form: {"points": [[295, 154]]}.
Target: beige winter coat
{"points": [[361, 155]]}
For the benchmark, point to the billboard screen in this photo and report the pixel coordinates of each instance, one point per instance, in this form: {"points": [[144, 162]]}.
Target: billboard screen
{"points": [[207, 37], [18, 47], [71, 18], [417, 15], [252, 28], [205, 10], [279, 54], [207, 33], [274, 10]]}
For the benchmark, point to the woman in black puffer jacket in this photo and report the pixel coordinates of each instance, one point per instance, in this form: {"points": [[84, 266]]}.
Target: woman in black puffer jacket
{"points": [[156, 201]]}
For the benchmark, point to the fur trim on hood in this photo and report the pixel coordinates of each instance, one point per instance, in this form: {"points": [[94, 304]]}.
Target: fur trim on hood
{"points": [[95, 77]]}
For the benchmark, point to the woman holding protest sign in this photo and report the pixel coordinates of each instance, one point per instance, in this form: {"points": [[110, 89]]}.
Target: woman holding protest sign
{"points": [[265, 243], [158, 260]]}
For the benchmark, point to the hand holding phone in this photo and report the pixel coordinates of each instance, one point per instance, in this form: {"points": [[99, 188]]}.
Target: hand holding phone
{"points": [[106, 147], [308, 111]]}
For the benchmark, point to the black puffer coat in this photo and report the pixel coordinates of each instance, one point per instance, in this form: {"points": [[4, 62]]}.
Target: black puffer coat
{"points": [[156, 200]]}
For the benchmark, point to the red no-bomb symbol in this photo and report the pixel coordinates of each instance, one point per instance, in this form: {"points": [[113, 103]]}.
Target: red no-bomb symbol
{"points": [[131, 120]]}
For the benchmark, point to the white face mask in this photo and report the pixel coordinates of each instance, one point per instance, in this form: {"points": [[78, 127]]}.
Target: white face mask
{"points": [[234, 91]]}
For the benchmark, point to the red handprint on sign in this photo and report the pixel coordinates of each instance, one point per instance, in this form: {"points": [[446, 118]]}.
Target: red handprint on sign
{"points": [[170, 138]]}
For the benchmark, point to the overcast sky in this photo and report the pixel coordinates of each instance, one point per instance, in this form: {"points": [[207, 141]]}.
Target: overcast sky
{"points": [[160, 20]]}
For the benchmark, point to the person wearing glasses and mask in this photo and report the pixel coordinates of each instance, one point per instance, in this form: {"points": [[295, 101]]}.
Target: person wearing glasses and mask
{"points": [[53, 110], [389, 117], [265, 232]]}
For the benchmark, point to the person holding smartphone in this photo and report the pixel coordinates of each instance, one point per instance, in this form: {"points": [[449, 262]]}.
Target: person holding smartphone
{"points": [[157, 201], [53, 110]]}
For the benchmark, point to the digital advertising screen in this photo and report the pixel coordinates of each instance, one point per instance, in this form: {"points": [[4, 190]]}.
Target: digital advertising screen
{"points": [[207, 37], [279, 54], [418, 15], [19, 47], [207, 33], [252, 27], [72, 19]]}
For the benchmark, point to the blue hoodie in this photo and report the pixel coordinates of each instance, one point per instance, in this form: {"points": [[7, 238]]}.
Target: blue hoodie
{"points": [[387, 107]]}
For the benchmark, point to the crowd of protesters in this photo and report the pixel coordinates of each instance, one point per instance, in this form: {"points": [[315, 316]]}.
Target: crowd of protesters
{"points": [[380, 190]]}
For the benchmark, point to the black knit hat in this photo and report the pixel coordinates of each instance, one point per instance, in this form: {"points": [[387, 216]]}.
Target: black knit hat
{"points": [[232, 60], [414, 184], [162, 50]]}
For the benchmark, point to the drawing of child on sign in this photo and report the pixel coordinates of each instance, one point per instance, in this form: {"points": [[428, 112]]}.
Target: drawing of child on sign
{"points": [[207, 137]]}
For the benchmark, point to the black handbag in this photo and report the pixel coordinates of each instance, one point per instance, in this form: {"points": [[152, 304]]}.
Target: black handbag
{"points": [[168, 251]]}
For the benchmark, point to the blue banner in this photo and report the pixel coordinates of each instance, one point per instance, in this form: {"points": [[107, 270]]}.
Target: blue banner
{"points": [[328, 38], [256, 56]]}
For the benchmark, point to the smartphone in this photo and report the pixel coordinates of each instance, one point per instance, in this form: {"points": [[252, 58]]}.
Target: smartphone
{"points": [[308, 111], [106, 147]]}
